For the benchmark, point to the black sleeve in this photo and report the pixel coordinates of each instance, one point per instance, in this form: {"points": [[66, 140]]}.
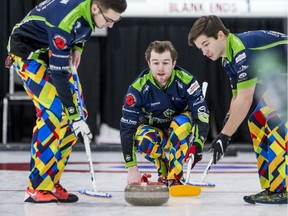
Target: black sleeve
{"points": [[200, 112], [60, 80], [128, 125]]}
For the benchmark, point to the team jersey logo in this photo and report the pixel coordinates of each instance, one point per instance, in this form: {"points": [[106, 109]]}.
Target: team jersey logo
{"points": [[130, 100], [59, 42]]}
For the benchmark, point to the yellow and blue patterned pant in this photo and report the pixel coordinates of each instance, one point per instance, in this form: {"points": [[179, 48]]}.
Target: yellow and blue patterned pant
{"points": [[152, 141], [268, 129], [52, 138]]}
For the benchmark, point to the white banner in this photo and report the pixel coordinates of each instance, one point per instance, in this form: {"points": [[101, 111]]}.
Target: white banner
{"points": [[196, 8]]}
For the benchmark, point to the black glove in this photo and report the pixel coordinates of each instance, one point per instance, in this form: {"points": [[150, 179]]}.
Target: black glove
{"points": [[196, 150], [226, 119], [219, 146]]}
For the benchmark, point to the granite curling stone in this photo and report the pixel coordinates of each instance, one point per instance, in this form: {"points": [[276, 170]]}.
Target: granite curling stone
{"points": [[146, 193]]}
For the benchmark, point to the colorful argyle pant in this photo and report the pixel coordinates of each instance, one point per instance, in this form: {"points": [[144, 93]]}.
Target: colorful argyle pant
{"points": [[268, 129], [52, 138], [152, 141]]}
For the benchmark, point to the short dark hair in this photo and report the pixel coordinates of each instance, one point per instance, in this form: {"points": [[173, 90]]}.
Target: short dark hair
{"points": [[208, 26], [160, 47], [116, 5]]}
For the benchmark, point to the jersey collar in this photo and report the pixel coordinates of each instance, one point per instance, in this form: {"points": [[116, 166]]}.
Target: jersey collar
{"points": [[152, 80], [233, 46]]}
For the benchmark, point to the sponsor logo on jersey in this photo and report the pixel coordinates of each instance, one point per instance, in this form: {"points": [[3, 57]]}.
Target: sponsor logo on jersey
{"points": [[130, 100], [159, 120], [64, 1], [155, 104], [203, 117], [201, 109], [71, 110], [58, 68], [127, 158], [243, 68], [168, 112], [145, 89], [176, 99], [240, 57], [59, 42], [43, 5], [242, 75], [194, 86], [275, 34], [128, 121], [199, 100], [129, 111]]}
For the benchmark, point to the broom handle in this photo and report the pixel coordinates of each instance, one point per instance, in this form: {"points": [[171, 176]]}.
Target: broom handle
{"points": [[189, 166], [206, 170], [191, 156], [85, 138]]}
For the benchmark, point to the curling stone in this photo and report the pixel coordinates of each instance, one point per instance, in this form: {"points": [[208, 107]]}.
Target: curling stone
{"points": [[145, 193]]}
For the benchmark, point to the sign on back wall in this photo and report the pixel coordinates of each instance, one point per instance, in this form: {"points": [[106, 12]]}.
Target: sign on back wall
{"points": [[195, 8]]}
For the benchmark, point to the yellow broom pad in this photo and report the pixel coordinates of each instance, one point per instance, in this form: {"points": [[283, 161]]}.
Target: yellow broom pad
{"points": [[184, 190]]}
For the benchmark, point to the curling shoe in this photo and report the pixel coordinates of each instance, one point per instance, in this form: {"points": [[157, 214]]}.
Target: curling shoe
{"points": [[251, 198], [273, 198], [62, 195], [39, 196]]}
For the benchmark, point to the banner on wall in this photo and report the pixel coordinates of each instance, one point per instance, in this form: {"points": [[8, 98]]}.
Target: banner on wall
{"points": [[196, 8]]}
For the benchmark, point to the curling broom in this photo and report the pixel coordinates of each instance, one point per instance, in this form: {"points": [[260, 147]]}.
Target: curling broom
{"points": [[94, 192], [202, 183], [186, 189]]}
